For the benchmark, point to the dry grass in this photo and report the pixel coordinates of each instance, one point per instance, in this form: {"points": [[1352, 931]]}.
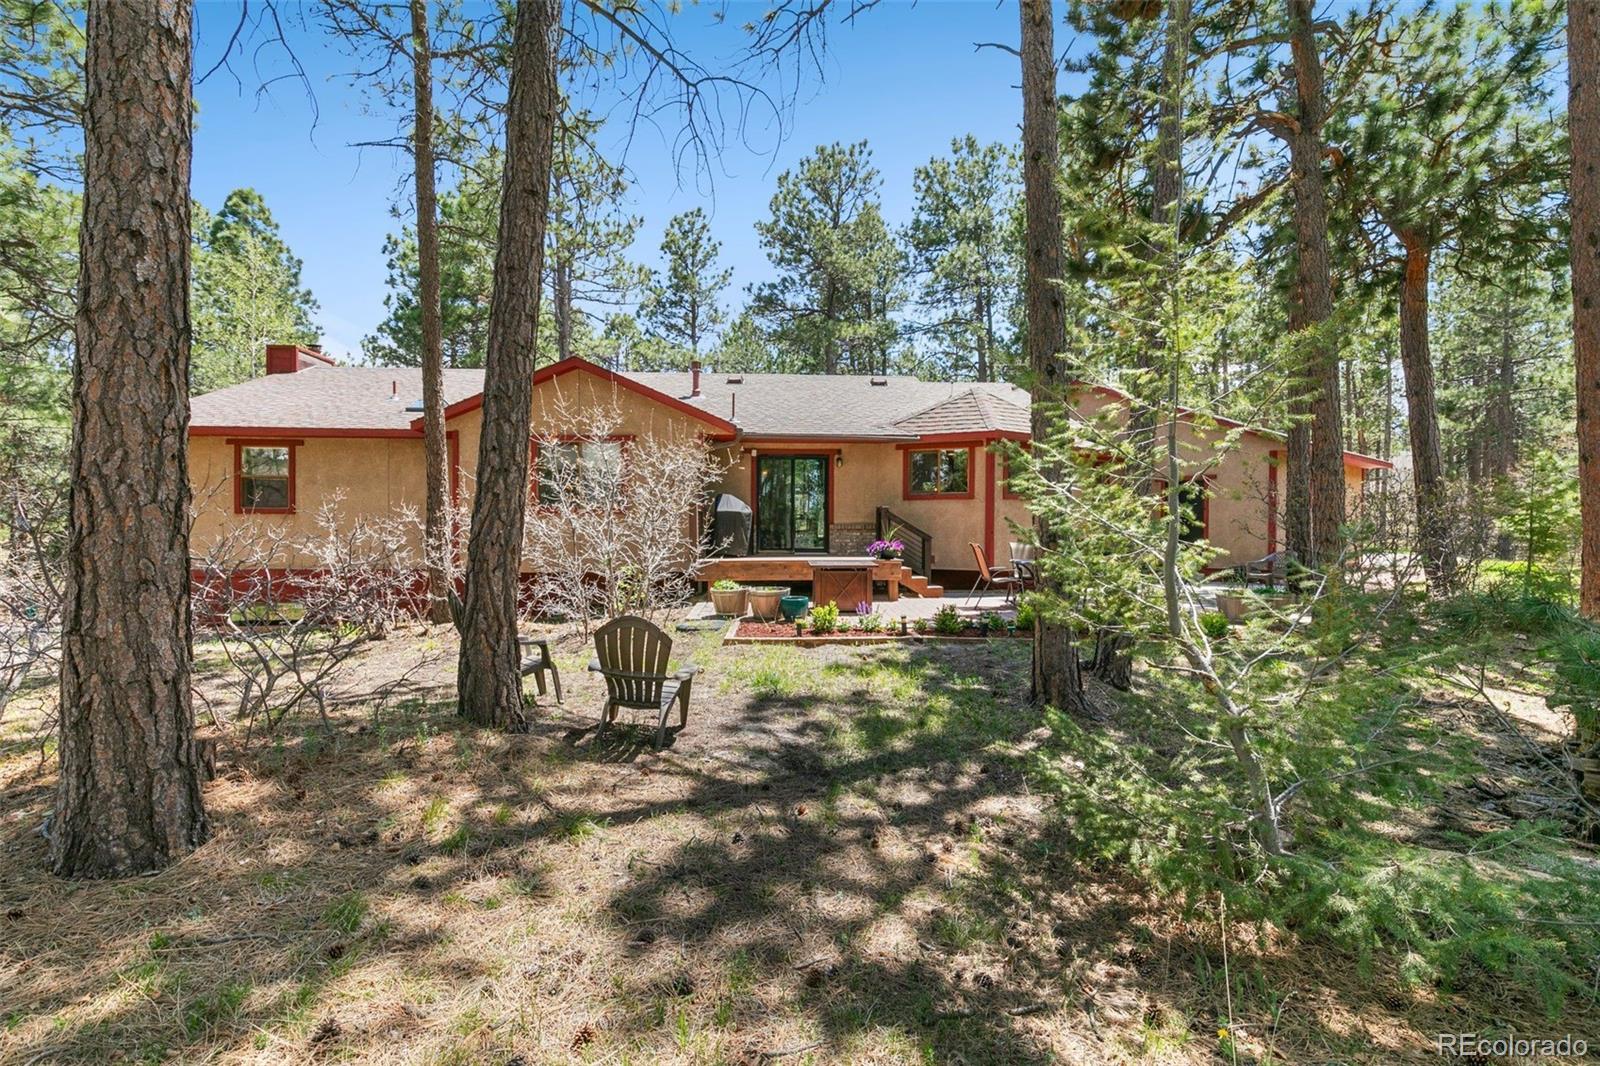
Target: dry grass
{"points": [[839, 861]]}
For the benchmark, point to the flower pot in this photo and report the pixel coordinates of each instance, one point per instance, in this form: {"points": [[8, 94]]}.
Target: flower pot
{"points": [[730, 601], [1233, 606], [794, 606], [763, 601]]}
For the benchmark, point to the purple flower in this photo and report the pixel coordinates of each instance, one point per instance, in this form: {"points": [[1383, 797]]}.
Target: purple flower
{"points": [[886, 549]]}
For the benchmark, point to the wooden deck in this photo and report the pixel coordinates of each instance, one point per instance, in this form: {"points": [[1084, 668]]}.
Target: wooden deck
{"points": [[779, 569]]}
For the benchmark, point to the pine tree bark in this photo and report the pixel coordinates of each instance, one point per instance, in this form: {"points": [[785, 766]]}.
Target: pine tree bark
{"points": [[1583, 123], [1057, 678], [435, 447], [561, 294], [129, 797], [1112, 661], [1422, 410], [489, 683], [1324, 482]]}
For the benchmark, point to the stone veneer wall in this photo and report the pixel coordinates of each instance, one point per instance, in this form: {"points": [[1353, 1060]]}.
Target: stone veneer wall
{"points": [[851, 538]]}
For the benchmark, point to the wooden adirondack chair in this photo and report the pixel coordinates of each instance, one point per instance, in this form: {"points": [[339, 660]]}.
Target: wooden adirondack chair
{"points": [[631, 654]]}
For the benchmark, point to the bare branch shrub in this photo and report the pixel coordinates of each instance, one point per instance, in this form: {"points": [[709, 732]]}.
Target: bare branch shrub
{"points": [[613, 524], [289, 611], [31, 588]]}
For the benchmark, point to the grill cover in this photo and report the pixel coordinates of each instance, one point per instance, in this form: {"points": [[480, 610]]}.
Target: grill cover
{"points": [[730, 525]]}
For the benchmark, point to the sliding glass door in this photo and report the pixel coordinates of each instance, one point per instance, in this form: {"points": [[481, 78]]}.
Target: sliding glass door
{"points": [[791, 503]]}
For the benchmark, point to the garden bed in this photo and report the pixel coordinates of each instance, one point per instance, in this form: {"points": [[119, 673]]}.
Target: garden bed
{"points": [[750, 631]]}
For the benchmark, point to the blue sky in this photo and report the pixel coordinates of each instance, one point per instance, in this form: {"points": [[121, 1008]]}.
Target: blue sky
{"points": [[905, 78]]}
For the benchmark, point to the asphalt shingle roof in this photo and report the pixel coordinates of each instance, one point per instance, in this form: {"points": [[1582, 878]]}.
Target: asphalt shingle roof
{"points": [[328, 397], [793, 405], [975, 409]]}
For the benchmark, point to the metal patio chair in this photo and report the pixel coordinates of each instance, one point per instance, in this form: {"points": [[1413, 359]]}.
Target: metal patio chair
{"points": [[1002, 577]]}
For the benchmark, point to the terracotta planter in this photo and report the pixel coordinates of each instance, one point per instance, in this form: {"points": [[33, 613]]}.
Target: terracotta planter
{"points": [[730, 601], [1233, 606], [763, 601]]}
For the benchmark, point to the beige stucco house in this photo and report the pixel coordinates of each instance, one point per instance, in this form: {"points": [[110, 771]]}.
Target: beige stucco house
{"points": [[825, 463]]}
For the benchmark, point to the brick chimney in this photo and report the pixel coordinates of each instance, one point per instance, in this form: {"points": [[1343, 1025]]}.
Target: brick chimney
{"points": [[293, 358], [694, 377]]}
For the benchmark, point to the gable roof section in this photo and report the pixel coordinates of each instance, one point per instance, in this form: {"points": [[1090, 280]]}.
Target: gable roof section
{"points": [[976, 412], [723, 427]]}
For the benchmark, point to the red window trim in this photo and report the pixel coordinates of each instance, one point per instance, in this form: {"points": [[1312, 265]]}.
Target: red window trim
{"points": [[905, 473], [239, 445]]}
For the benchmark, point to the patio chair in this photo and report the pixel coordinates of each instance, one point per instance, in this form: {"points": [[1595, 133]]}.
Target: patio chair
{"points": [[1268, 570], [992, 576], [631, 654], [538, 662]]}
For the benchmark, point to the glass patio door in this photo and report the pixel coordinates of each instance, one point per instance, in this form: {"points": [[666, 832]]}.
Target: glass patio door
{"points": [[791, 503]]}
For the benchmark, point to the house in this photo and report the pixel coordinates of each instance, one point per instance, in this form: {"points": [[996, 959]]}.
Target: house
{"points": [[826, 463]]}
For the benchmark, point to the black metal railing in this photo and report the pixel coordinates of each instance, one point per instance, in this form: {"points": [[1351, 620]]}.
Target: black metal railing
{"points": [[919, 543]]}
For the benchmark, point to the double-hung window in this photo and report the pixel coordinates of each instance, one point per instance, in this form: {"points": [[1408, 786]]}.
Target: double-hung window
{"points": [[265, 475], [587, 468]]}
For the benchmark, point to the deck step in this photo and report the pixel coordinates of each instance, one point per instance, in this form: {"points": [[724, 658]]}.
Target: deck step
{"points": [[918, 585]]}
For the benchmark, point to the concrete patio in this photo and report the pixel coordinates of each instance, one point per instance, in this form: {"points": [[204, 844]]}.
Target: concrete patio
{"points": [[913, 607]]}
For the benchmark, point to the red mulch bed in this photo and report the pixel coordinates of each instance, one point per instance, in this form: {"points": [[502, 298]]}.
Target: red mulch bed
{"points": [[751, 628]]}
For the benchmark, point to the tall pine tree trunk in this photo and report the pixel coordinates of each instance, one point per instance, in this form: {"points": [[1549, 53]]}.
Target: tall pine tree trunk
{"points": [[1583, 123], [488, 681], [1422, 414], [561, 294], [1314, 291], [1112, 661], [436, 451], [129, 795], [1057, 679]]}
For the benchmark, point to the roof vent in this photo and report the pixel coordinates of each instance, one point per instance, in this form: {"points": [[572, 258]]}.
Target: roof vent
{"points": [[876, 380], [414, 405], [736, 379]]}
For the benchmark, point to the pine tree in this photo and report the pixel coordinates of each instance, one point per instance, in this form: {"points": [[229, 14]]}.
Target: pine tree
{"points": [[839, 271], [247, 292], [963, 252], [682, 302], [128, 799], [466, 276], [488, 683], [1057, 678], [1452, 151], [1583, 123], [587, 243]]}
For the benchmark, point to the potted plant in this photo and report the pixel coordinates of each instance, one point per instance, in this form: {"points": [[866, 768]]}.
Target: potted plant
{"points": [[887, 549], [763, 600], [729, 597], [1233, 606], [793, 607]]}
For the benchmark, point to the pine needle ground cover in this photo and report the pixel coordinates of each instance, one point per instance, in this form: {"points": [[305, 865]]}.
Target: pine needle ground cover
{"points": [[849, 856]]}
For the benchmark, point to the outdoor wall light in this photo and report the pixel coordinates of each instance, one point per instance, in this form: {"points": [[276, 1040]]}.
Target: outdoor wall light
{"points": [[838, 459]]}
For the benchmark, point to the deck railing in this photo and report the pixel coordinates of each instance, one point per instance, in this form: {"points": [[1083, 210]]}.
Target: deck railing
{"points": [[918, 542]]}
